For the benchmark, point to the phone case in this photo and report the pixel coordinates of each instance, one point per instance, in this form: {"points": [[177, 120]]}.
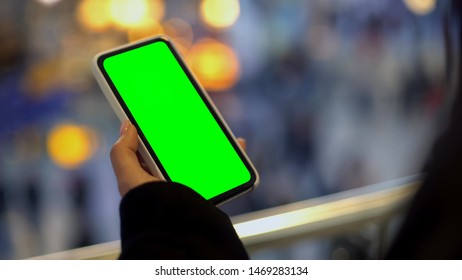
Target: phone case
{"points": [[108, 93]]}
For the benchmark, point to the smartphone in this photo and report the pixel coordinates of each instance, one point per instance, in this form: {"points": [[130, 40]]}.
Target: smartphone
{"points": [[183, 138]]}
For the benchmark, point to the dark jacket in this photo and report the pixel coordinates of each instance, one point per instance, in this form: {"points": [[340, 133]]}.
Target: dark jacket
{"points": [[163, 220]]}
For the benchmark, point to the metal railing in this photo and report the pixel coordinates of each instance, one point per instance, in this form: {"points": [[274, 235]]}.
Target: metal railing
{"points": [[328, 215]]}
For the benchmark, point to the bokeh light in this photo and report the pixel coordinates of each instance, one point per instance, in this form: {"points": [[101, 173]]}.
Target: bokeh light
{"points": [[421, 7], [137, 16], [219, 13], [215, 64], [48, 2], [156, 10], [94, 15], [128, 13], [70, 145]]}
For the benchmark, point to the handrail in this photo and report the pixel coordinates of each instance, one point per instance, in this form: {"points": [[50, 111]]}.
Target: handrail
{"points": [[324, 216]]}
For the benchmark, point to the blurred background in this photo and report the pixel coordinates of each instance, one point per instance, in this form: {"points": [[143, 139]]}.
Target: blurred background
{"points": [[330, 94]]}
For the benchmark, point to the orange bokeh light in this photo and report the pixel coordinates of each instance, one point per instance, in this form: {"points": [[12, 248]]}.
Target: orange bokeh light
{"points": [[215, 64], [98, 15], [93, 14], [70, 145], [219, 13]]}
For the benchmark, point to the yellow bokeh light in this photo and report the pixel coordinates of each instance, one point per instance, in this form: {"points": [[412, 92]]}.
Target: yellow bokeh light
{"points": [[98, 15], [421, 7], [93, 14], [128, 13], [219, 13], [215, 64], [69, 145], [156, 10]]}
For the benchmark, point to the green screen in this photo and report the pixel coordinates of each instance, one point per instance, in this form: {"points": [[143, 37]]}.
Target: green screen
{"points": [[182, 132]]}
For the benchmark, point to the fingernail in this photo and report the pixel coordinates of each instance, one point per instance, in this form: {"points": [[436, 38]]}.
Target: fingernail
{"points": [[124, 127]]}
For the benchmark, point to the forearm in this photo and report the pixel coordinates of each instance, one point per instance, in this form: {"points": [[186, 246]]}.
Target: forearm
{"points": [[161, 220]]}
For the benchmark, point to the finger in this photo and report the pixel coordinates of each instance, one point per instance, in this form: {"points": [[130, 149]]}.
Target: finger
{"points": [[242, 142], [143, 164], [125, 162], [123, 152]]}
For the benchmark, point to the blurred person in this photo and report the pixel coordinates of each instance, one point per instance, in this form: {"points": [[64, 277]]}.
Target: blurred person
{"points": [[167, 220], [432, 228]]}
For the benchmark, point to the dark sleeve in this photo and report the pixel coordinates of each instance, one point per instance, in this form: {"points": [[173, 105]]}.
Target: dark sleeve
{"points": [[163, 220]]}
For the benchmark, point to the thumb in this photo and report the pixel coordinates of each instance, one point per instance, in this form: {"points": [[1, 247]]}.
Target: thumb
{"points": [[125, 162], [123, 152]]}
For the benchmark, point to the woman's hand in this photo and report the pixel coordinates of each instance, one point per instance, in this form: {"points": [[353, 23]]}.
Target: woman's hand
{"points": [[128, 166], [126, 162]]}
